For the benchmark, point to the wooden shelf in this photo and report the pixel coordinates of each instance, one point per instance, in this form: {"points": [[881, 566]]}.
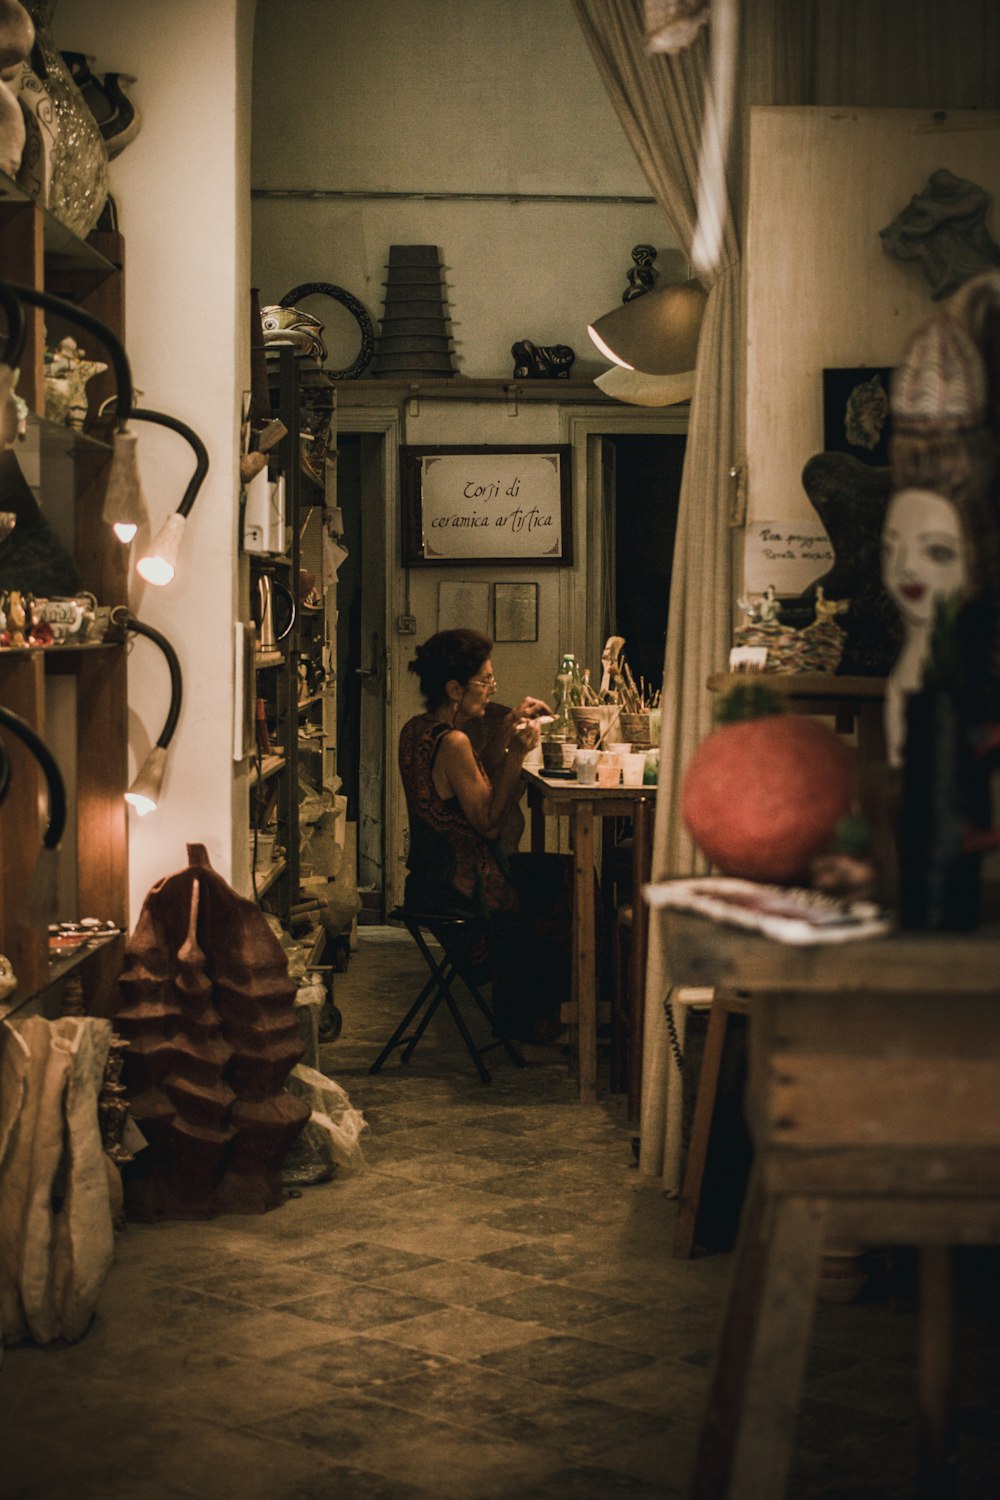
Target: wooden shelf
{"points": [[376, 392], [73, 696], [266, 878], [270, 766], [64, 251]]}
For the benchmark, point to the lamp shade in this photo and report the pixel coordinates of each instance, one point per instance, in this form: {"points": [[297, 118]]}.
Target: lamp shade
{"points": [[656, 333]]}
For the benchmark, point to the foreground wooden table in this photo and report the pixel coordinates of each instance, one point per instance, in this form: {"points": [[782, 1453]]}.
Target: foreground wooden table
{"points": [[874, 1104], [584, 805]]}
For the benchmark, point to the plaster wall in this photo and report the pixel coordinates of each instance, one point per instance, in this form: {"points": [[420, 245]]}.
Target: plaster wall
{"points": [[181, 188], [821, 291], [398, 109]]}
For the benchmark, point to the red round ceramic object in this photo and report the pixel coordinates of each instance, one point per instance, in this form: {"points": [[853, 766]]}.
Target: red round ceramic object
{"points": [[760, 798]]}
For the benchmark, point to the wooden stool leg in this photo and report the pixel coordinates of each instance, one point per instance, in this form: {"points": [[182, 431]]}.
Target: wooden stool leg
{"points": [[936, 1435], [748, 1434], [701, 1128]]}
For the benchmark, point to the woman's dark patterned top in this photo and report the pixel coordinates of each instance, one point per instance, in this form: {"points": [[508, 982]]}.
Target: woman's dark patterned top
{"points": [[453, 870]]}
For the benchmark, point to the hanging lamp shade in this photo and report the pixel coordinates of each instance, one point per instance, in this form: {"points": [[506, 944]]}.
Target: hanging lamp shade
{"points": [[656, 333]]}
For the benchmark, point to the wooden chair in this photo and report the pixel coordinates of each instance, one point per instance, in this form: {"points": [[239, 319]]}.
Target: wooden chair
{"points": [[438, 988]]}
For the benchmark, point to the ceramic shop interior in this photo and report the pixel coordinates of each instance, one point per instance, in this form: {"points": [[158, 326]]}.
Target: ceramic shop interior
{"points": [[297, 373]]}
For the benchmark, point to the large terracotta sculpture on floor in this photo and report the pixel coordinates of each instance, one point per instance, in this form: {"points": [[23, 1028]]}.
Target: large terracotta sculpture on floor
{"points": [[209, 1015]]}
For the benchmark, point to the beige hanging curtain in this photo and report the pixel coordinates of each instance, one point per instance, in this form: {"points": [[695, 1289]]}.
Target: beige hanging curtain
{"points": [[660, 102]]}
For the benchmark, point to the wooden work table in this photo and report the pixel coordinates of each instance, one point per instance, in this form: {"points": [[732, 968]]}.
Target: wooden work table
{"points": [[583, 806], [873, 1102]]}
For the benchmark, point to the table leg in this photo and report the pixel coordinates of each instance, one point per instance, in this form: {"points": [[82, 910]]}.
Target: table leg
{"points": [[584, 949], [537, 815], [642, 860], [937, 1456], [749, 1429]]}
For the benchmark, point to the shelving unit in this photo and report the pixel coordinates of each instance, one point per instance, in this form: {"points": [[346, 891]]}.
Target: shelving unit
{"points": [[74, 697]]}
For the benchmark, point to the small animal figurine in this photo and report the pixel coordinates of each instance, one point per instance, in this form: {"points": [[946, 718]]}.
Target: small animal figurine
{"points": [[532, 362], [828, 609]]}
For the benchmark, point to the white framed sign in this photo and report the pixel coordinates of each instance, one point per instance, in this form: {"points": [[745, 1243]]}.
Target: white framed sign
{"points": [[485, 505]]}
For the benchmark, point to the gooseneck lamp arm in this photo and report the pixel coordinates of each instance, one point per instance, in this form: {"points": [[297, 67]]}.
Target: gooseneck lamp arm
{"points": [[17, 325], [163, 419], [176, 681], [53, 776], [4, 772], [159, 564], [144, 793], [42, 895], [81, 319]]}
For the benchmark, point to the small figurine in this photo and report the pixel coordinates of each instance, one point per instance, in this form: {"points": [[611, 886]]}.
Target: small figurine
{"points": [[13, 634], [532, 362], [642, 277], [66, 376], [828, 609], [769, 609]]}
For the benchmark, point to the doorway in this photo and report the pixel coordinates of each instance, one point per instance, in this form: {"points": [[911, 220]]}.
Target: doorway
{"points": [[641, 523]]}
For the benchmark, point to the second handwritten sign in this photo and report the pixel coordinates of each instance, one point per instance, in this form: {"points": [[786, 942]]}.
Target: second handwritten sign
{"points": [[485, 505]]}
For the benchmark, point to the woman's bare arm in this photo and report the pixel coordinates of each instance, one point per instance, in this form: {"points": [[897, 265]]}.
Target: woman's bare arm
{"points": [[458, 774]]}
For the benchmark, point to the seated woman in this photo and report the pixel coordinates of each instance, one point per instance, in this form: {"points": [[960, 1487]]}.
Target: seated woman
{"points": [[518, 937]]}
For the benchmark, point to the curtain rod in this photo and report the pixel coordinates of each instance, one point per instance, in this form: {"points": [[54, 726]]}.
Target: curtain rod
{"points": [[619, 198]]}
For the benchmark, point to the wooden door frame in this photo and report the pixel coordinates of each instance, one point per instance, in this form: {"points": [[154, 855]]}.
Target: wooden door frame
{"points": [[384, 422], [582, 428]]}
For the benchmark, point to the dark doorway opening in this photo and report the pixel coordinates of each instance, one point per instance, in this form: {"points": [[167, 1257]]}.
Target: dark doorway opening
{"points": [[648, 472]]}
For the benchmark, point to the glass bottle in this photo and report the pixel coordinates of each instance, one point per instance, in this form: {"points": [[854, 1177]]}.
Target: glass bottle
{"points": [[562, 727]]}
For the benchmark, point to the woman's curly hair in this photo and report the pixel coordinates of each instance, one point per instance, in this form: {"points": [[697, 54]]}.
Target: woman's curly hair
{"points": [[450, 655]]}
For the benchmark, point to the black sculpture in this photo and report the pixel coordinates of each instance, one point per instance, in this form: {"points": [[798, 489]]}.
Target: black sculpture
{"points": [[642, 277], [850, 498], [533, 362]]}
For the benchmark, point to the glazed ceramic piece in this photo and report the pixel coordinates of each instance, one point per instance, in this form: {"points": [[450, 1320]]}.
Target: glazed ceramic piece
{"points": [[13, 133], [73, 183], [66, 375]]}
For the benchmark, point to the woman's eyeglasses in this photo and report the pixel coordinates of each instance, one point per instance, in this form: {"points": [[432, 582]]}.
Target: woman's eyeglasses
{"points": [[486, 682]]}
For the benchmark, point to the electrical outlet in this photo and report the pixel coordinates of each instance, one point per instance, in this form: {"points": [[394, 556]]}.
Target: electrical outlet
{"points": [[406, 625]]}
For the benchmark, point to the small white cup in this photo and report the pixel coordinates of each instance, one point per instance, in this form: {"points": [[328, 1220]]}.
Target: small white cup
{"points": [[586, 766], [533, 760], [633, 767]]}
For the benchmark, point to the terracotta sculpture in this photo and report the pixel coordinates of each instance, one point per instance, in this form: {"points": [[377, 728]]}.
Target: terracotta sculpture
{"points": [[209, 1017]]}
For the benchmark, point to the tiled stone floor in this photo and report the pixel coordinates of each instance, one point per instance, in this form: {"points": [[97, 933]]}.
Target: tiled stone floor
{"points": [[490, 1312]]}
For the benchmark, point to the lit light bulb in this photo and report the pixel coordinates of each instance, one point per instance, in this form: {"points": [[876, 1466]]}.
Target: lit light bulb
{"points": [[159, 564]]}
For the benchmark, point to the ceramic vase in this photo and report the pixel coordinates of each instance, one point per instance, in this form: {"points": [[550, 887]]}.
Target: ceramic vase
{"points": [[65, 160]]}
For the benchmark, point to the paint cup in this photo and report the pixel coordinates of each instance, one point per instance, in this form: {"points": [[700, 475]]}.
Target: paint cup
{"points": [[609, 768], [651, 772], [586, 766], [533, 760], [633, 767]]}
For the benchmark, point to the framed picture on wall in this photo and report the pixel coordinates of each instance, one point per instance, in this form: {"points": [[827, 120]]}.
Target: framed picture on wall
{"points": [[463, 506], [515, 611], [856, 416], [464, 606]]}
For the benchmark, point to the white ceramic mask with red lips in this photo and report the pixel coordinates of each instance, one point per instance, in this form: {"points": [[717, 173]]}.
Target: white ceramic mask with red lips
{"points": [[923, 560]]}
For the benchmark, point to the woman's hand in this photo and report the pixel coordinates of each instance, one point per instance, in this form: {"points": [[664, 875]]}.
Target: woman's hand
{"points": [[529, 708], [525, 735]]}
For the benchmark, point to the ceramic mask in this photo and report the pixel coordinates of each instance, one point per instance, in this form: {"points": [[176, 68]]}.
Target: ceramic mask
{"points": [[923, 554]]}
